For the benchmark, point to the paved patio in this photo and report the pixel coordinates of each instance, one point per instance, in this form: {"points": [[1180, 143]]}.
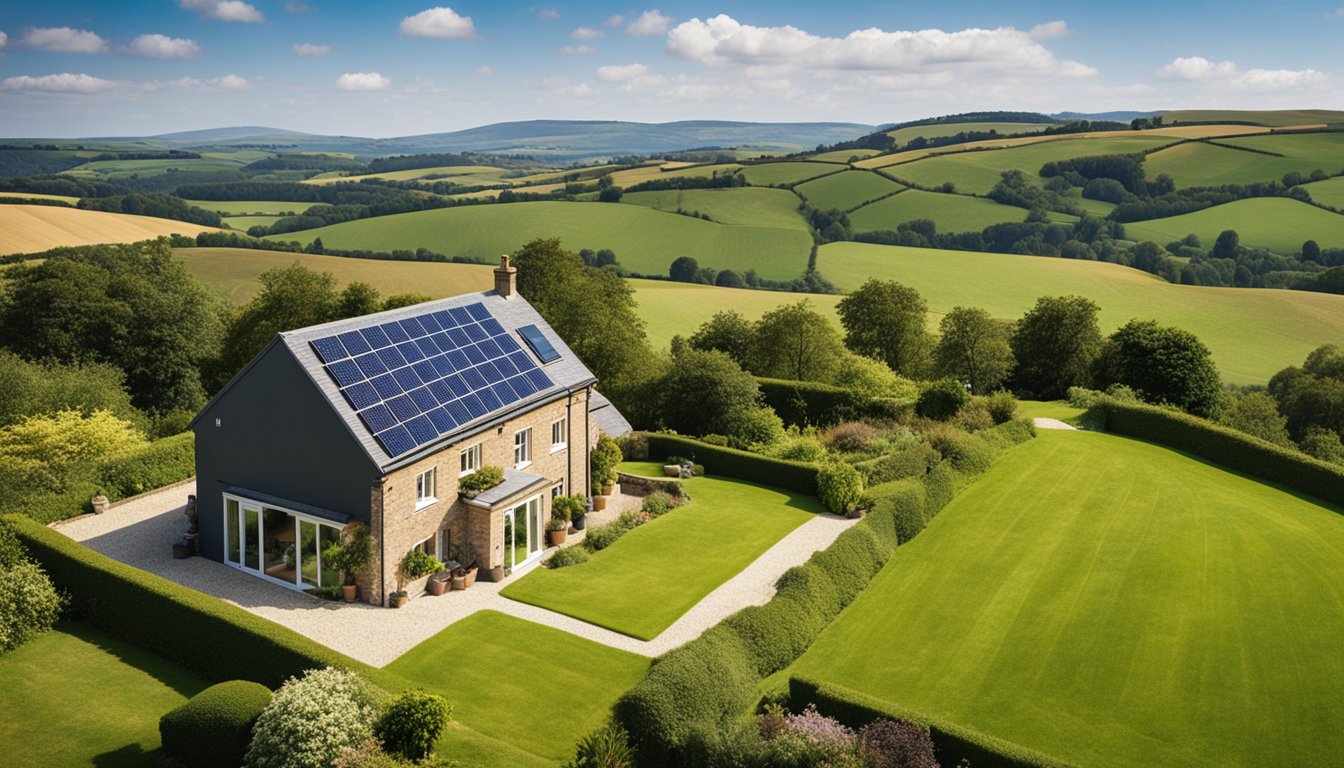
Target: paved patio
{"points": [[140, 532]]}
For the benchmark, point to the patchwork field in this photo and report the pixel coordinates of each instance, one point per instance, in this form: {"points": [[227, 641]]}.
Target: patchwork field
{"points": [[245, 223], [75, 696], [33, 228], [1252, 332], [633, 176], [1277, 223], [470, 175], [770, 174], [1112, 603], [1275, 118], [251, 207], [205, 164], [747, 206], [645, 241], [846, 190], [952, 213], [937, 130], [1329, 192], [532, 687], [34, 196], [1197, 164], [843, 155], [645, 581]]}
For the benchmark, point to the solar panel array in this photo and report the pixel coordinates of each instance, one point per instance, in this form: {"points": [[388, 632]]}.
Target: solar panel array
{"points": [[415, 379]]}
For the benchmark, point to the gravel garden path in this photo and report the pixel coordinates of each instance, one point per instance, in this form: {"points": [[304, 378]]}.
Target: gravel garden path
{"points": [[1042, 422], [140, 532]]}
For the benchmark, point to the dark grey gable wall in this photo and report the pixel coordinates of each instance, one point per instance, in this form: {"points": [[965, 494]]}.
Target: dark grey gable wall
{"points": [[277, 435]]}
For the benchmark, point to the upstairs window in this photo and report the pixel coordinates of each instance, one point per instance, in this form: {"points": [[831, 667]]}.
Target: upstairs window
{"points": [[425, 489], [559, 435], [470, 460], [522, 448]]}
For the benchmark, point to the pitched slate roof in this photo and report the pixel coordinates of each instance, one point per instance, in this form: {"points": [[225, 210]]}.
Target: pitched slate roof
{"points": [[611, 421], [445, 383]]}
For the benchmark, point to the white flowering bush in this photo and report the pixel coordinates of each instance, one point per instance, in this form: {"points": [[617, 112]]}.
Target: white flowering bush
{"points": [[29, 604], [311, 719]]}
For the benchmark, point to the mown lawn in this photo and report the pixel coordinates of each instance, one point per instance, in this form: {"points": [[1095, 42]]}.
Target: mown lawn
{"points": [[1049, 409], [1112, 603], [645, 581], [75, 696], [536, 688]]}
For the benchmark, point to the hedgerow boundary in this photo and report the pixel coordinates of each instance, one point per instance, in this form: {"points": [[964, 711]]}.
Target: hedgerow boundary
{"points": [[694, 690]]}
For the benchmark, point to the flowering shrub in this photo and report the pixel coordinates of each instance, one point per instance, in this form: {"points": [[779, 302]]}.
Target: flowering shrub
{"points": [[851, 436], [412, 723], [820, 729], [29, 604], [657, 504], [892, 744], [839, 486], [310, 719]]}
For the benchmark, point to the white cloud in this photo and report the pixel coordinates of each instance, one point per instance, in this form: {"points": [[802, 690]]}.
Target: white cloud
{"points": [[549, 14], [297, 6], [3, 39], [65, 82], [619, 73], [1050, 30], [649, 23], [1198, 68], [441, 22], [580, 91], [722, 42], [224, 10], [362, 81], [483, 70], [163, 47], [614, 20], [311, 49], [230, 83], [64, 40], [577, 50], [586, 33], [225, 83]]}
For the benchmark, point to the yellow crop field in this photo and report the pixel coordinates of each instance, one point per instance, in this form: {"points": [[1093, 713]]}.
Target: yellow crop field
{"points": [[33, 228]]}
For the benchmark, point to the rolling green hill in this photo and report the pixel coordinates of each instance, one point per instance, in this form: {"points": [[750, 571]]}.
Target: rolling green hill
{"points": [[937, 130], [952, 213], [1227, 161], [1329, 192], [1252, 332], [1274, 118], [772, 174], [846, 190], [748, 206], [1112, 603], [645, 241], [1277, 223], [250, 207]]}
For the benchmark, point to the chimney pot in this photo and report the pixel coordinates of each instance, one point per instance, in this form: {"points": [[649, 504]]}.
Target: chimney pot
{"points": [[506, 278]]}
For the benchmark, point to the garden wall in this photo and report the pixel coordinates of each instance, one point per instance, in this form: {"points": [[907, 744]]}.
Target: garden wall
{"points": [[202, 633], [730, 462], [715, 679], [812, 403], [1228, 447]]}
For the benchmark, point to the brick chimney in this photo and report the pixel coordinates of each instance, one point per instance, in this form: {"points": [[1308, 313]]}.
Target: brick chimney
{"points": [[506, 278]]}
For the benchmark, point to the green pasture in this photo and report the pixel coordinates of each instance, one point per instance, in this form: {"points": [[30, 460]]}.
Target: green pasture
{"points": [[979, 171], [645, 241], [245, 223], [1111, 602], [1278, 223], [119, 168], [633, 176], [1253, 332], [1317, 150], [1329, 192], [843, 155], [938, 130], [1203, 164], [1275, 118], [75, 696], [532, 687], [952, 213], [772, 174], [747, 206], [846, 190], [652, 575], [469, 175], [251, 207]]}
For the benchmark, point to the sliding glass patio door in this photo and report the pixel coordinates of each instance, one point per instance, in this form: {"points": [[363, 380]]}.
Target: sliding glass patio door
{"points": [[278, 545]]}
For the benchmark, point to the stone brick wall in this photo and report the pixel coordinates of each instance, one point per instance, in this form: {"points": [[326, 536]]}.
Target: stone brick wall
{"points": [[398, 526]]}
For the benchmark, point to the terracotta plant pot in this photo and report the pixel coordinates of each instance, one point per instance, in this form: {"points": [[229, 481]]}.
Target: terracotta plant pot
{"points": [[471, 576], [608, 488], [399, 599], [459, 582], [437, 585], [599, 503], [557, 537], [348, 592]]}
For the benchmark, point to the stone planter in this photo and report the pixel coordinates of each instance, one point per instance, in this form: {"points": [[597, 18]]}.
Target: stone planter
{"points": [[438, 584], [672, 470], [399, 599], [497, 574], [459, 582], [416, 587], [471, 575]]}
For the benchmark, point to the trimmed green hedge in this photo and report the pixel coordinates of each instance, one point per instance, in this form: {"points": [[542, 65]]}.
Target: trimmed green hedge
{"points": [[952, 743], [1228, 447], [743, 465], [813, 403], [213, 728], [164, 462], [217, 640], [914, 461], [713, 679]]}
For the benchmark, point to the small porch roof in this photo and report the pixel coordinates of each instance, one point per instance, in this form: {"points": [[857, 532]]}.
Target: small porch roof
{"points": [[516, 482]]}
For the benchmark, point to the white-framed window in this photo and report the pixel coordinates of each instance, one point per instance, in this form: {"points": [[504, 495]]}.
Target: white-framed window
{"points": [[559, 434], [425, 489], [470, 460], [522, 448], [558, 489]]}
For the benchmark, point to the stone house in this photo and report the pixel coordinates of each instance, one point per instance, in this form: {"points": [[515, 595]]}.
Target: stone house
{"points": [[376, 419]]}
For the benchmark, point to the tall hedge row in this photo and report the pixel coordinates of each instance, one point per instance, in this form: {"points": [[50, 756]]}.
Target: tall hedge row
{"points": [[714, 679], [1228, 447], [952, 743], [813, 403], [202, 633], [743, 465], [163, 462]]}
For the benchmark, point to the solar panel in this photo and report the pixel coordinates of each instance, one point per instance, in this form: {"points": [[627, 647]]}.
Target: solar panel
{"points": [[412, 380]]}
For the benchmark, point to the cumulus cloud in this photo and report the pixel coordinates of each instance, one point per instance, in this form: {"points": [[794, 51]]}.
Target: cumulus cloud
{"points": [[362, 81], [64, 40], [440, 22], [1198, 68], [649, 23], [614, 20], [65, 82], [225, 83], [723, 42], [619, 73], [1050, 30], [483, 70], [586, 33], [3, 39], [163, 47], [577, 50], [224, 10], [311, 49]]}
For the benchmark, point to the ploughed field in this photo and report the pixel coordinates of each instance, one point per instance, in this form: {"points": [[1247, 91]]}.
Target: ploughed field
{"points": [[1111, 602]]}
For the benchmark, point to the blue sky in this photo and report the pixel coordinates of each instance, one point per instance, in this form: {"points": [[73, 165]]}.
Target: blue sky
{"points": [[397, 68]]}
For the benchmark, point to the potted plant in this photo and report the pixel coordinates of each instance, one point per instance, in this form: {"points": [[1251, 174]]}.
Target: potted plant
{"points": [[571, 508], [599, 503], [605, 458], [350, 557], [399, 598], [556, 530], [439, 583], [459, 577], [416, 567], [484, 478]]}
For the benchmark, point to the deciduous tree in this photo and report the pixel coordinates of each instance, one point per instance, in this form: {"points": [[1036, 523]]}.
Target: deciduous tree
{"points": [[795, 342], [1056, 343], [885, 320], [973, 348], [1163, 364]]}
